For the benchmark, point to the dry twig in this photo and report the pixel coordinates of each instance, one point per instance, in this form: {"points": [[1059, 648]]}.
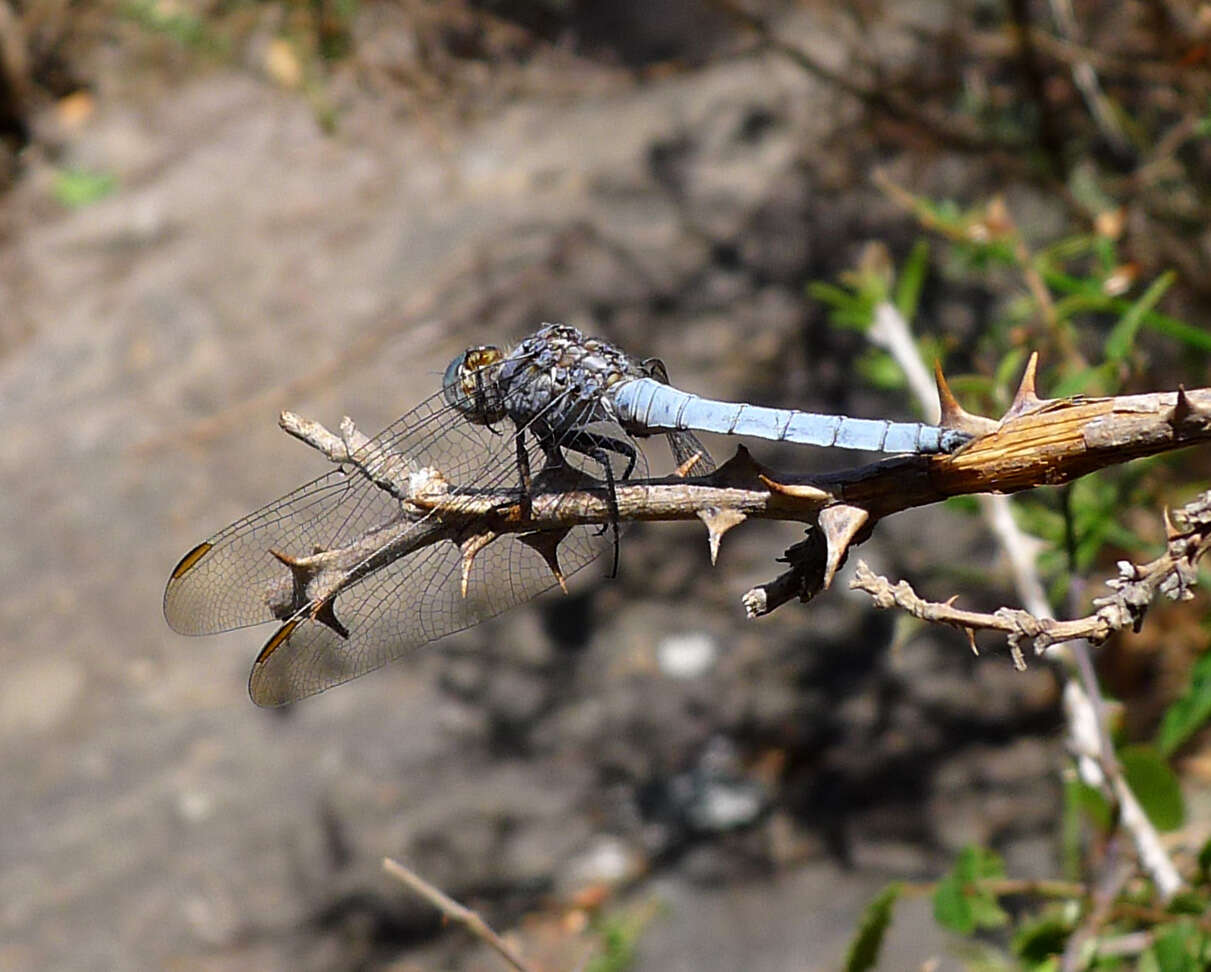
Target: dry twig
{"points": [[1174, 573], [455, 912]]}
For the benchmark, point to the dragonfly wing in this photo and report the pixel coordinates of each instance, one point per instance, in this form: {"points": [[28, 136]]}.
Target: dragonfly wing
{"points": [[406, 604], [223, 582], [426, 595], [376, 613], [690, 454]]}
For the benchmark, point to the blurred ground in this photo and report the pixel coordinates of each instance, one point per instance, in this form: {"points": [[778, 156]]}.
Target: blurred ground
{"points": [[249, 261]]}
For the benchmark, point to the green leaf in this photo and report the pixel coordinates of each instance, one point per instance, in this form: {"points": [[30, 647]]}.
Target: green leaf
{"points": [[1039, 938], [619, 938], [986, 911], [979, 863], [1008, 372], [959, 903], [950, 907], [1106, 254], [879, 369], [1189, 713], [1087, 381], [1090, 801], [1204, 863], [1155, 784], [1190, 335], [1122, 335], [1189, 903], [864, 948], [850, 309], [74, 188], [1176, 948], [617, 949]]}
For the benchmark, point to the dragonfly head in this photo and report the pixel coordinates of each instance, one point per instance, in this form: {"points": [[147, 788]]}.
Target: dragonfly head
{"points": [[471, 385]]}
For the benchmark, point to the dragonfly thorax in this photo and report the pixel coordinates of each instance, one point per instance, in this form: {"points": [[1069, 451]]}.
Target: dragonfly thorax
{"points": [[472, 386]]}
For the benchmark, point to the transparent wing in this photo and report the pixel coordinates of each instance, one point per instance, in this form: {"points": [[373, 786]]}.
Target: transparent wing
{"points": [[690, 454], [221, 583], [229, 580], [407, 604]]}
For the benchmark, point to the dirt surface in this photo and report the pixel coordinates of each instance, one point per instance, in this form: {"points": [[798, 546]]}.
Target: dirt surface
{"points": [[249, 261]]}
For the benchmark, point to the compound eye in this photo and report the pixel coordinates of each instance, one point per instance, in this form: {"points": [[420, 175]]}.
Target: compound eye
{"points": [[452, 380], [463, 387]]}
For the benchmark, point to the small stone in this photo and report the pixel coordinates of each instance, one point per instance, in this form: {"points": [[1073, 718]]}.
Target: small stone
{"points": [[687, 655]]}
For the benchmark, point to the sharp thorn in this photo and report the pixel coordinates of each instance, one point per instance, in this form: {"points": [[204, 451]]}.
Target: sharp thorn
{"points": [[1171, 531], [950, 406], [325, 613], [1188, 414], [546, 543], [1026, 398], [797, 490], [684, 469], [470, 547], [1182, 409], [952, 414], [301, 574], [718, 521], [840, 524], [741, 468], [971, 640]]}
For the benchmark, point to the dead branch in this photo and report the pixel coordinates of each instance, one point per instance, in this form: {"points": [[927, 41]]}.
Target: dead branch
{"points": [[455, 912], [1038, 442], [1174, 573]]}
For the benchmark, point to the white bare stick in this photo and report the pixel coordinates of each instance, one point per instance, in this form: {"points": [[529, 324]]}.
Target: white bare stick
{"points": [[890, 332], [1083, 708]]}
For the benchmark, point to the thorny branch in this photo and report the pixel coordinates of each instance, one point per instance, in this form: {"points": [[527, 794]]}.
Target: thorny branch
{"points": [[1088, 736], [1037, 442], [1173, 574]]}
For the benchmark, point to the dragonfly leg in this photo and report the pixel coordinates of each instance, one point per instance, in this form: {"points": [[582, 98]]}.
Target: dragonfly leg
{"points": [[598, 448], [523, 471]]}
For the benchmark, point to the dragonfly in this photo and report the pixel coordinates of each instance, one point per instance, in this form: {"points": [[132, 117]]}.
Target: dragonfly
{"points": [[357, 570]]}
